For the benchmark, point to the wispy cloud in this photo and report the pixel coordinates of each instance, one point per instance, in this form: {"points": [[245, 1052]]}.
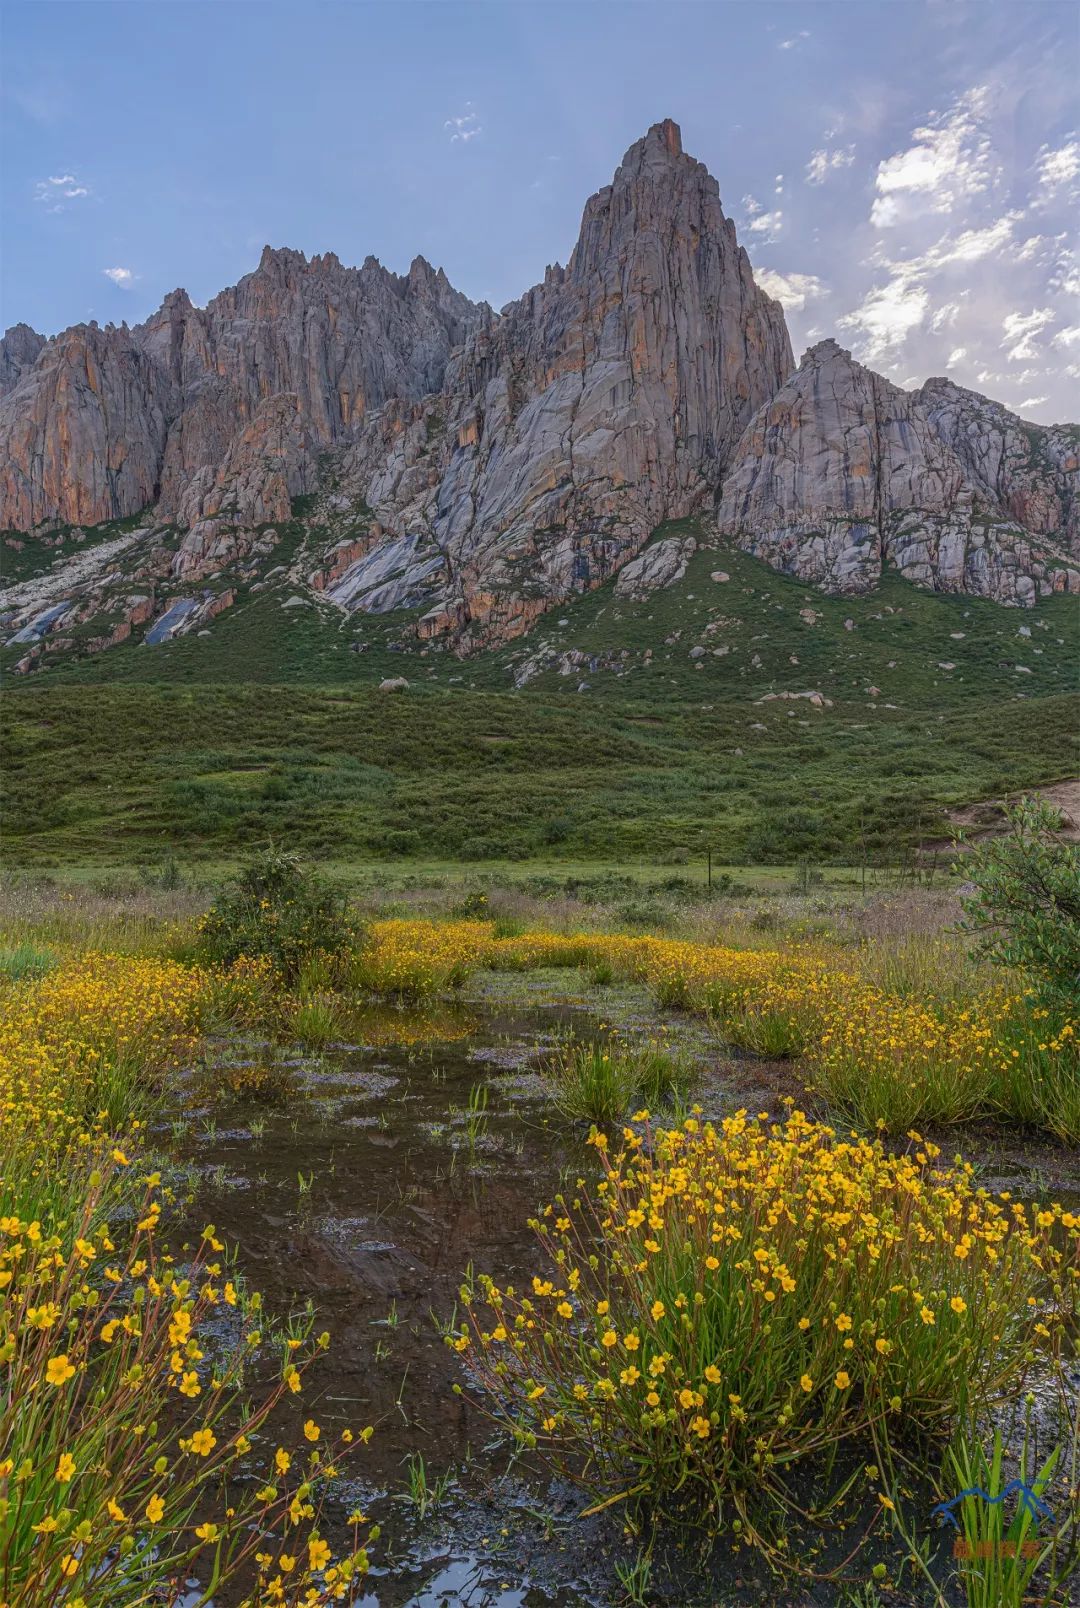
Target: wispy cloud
{"points": [[824, 162], [1022, 330], [794, 41], [122, 278], [886, 317], [768, 225], [1057, 170], [794, 290], [465, 126], [951, 158], [765, 225], [963, 263], [56, 191]]}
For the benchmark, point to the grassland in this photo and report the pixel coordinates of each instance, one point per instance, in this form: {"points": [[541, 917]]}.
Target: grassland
{"points": [[621, 744]]}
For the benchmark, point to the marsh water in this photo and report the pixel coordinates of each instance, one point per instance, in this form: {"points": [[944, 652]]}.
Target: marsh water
{"points": [[365, 1180]]}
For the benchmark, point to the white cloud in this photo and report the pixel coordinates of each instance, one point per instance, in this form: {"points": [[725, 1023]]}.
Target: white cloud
{"points": [[951, 159], [796, 39], [794, 290], [967, 260], [886, 316], [945, 315], [1057, 168], [55, 191], [465, 126], [1021, 332], [824, 162], [1032, 402], [968, 246], [768, 224], [122, 278], [1036, 246], [751, 205], [1066, 275]]}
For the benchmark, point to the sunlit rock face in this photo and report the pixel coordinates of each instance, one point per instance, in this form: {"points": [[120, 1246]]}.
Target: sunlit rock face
{"points": [[98, 424], [608, 399], [842, 473], [479, 469]]}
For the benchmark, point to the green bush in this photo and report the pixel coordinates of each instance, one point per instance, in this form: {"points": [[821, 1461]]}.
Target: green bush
{"points": [[1025, 904], [277, 909]]}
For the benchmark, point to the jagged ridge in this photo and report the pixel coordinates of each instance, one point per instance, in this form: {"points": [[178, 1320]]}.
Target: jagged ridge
{"points": [[486, 468]]}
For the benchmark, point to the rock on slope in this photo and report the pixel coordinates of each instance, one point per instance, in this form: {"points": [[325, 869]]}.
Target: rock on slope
{"points": [[843, 472], [1032, 473]]}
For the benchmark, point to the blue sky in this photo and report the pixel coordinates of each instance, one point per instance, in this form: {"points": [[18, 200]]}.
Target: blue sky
{"points": [[904, 175]]}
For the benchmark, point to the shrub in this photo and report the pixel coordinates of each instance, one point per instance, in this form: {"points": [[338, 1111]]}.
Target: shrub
{"points": [[277, 909], [731, 1302], [1025, 908], [556, 830]]}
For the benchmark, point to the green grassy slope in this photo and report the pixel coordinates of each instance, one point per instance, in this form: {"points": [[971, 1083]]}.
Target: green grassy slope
{"points": [[900, 638], [273, 723]]}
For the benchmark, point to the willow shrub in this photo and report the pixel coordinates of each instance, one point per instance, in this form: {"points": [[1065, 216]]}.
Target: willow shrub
{"points": [[278, 910], [731, 1301]]}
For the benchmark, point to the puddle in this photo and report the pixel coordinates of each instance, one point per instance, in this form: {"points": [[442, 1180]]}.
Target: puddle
{"points": [[364, 1195]]}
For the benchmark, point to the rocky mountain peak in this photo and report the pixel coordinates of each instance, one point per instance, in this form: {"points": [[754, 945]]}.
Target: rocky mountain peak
{"points": [[842, 472], [488, 468], [118, 420], [19, 351], [664, 139], [826, 351], [280, 260], [603, 401], [422, 273]]}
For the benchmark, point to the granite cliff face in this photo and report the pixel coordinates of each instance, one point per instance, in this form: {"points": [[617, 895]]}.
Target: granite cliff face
{"points": [[478, 470], [106, 422], [19, 350], [1032, 473], [609, 398], [841, 473]]}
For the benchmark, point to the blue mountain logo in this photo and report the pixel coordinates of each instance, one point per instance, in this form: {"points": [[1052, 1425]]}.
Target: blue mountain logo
{"points": [[1027, 1498]]}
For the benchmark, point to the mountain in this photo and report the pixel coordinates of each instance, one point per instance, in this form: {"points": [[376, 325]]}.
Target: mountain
{"points": [[842, 472], [104, 423], [380, 445]]}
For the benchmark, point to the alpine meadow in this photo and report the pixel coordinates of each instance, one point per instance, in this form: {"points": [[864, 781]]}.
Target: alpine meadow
{"points": [[540, 893]]}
